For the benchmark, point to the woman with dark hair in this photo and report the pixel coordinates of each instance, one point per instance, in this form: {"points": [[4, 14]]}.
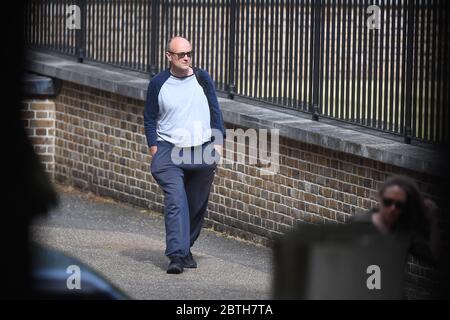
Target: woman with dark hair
{"points": [[401, 207], [403, 211]]}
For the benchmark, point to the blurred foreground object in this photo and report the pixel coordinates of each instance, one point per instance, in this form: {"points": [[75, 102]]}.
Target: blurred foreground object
{"points": [[54, 277], [339, 262]]}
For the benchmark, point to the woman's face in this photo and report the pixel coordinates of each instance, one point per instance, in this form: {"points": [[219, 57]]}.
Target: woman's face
{"points": [[392, 204]]}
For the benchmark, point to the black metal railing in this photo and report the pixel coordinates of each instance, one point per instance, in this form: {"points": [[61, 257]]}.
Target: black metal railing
{"points": [[316, 56]]}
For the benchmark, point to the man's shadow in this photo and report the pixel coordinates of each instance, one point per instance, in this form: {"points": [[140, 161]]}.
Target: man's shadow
{"points": [[154, 257]]}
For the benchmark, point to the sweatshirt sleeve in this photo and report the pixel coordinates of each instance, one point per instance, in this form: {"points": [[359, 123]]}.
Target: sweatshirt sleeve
{"points": [[216, 113], [151, 111]]}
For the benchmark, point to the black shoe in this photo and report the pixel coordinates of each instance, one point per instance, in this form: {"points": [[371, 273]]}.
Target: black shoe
{"points": [[175, 266], [189, 262]]}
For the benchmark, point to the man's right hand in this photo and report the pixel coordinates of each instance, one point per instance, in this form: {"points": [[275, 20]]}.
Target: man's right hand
{"points": [[153, 150]]}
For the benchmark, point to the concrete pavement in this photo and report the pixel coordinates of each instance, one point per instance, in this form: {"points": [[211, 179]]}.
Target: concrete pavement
{"points": [[126, 245]]}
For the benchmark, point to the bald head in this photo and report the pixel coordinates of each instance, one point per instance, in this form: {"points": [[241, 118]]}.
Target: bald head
{"points": [[178, 44]]}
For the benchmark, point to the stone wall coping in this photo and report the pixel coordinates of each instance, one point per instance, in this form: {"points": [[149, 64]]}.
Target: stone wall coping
{"points": [[331, 134]]}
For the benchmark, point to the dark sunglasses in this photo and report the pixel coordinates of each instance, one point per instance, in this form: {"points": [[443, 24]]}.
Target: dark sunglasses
{"points": [[181, 55], [389, 202]]}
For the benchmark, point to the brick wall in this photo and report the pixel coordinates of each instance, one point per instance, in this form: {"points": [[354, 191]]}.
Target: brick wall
{"points": [[39, 121], [99, 145]]}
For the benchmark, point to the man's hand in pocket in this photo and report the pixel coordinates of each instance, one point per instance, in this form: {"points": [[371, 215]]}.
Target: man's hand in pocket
{"points": [[153, 150]]}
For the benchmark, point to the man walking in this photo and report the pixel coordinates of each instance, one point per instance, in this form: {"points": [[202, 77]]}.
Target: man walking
{"points": [[184, 130]]}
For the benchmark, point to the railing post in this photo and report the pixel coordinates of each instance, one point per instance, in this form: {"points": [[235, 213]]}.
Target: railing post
{"points": [[80, 35], [231, 48], [153, 43], [409, 72], [316, 63]]}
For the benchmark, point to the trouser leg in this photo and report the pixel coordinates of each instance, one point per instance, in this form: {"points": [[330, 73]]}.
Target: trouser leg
{"points": [[176, 209], [198, 186]]}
